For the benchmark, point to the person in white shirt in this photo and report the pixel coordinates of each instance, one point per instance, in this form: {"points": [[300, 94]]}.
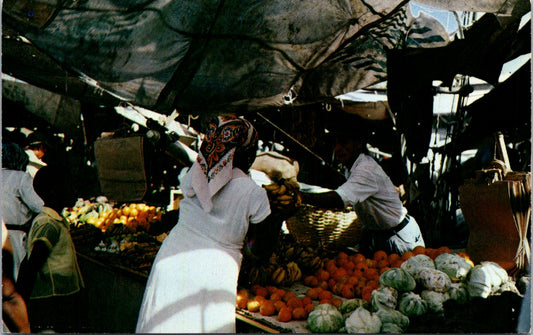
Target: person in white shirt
{"points": [[19, 203], [371, 193], [192, 286]]}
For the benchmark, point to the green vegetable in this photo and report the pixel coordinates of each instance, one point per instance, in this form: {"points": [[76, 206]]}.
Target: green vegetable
{"points": [[433, 279], [350, 305], [363, 321], [435, 300], [485, 278], [455, 266], [325, 318], [391, 318], [417, 262], [397, 278], [384, 297], [412, 304], [458, 292]]}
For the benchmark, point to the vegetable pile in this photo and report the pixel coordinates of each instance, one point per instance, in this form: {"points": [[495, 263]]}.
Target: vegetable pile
{"points": [[383, 294]]}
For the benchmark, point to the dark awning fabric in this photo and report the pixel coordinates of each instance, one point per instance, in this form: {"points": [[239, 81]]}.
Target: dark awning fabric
{"points": [[486, 47], [212, 56]]}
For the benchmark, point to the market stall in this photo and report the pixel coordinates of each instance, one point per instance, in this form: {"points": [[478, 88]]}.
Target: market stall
{"points": [[417, 288], [286, 78]]}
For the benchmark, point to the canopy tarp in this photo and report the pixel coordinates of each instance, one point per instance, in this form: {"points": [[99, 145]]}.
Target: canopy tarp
{"points": [[203, 56]]}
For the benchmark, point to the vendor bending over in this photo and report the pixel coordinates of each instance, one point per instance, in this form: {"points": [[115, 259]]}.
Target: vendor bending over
{"points": [[369, 190]]}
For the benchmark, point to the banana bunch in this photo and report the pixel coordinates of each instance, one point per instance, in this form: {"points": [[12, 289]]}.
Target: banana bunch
{"points": [[286, 275], [283, 193], [310, 260], [294, 273], [278, 276], [260, 275]]}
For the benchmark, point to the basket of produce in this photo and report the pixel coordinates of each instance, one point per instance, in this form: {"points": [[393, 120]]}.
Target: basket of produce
{"points": [[325, 227]]}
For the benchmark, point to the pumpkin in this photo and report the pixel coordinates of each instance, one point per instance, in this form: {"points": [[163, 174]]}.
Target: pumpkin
{"points": [[435, 300], [397, 278], [458, 292], [417, 262], [455, 266], [392, 319], [384, 297], [325, 318], [412, 304], [433, 279], [363, 321], [485, 278]]}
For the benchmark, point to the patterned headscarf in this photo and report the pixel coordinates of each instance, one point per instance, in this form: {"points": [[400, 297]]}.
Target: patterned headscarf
{"points": [[214, 165]]}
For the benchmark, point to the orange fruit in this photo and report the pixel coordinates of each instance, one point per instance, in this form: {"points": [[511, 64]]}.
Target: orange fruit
{"points": [[295, 302], [307, 301], [275, 296], [371, 263], [322, 274], [311, 281], [348, 292], [267, 308], [336, 302], [285, 314], [325, 295], [299, 313], [242, 301], [279, 304], [397, 263], [342, 255], [260, 291], [361, 267], [359, 258], [419, 250], [309, 308], [392, 257], [312, 293], [349, 265], [325, 301], [288, 296], [339, 272], [383, 263], [406, 255], [371, 274], [380, 255], [323, 285]]}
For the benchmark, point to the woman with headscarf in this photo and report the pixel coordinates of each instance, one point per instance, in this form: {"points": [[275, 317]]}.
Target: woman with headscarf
{"points": [[19, 202], [193, 282]]}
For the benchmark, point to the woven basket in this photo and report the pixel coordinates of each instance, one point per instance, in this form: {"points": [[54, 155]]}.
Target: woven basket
{"points": [[330, 229]]}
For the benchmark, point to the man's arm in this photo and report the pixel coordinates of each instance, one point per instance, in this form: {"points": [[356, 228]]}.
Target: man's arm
{"points": [[330, 199]]}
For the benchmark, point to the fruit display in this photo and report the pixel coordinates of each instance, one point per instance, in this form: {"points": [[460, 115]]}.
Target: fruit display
{"points": [[392, 292], [103, 214], [121, 235]]}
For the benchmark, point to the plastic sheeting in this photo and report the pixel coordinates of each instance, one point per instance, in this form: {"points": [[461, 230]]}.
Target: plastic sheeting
{"points": [[211, 56]]}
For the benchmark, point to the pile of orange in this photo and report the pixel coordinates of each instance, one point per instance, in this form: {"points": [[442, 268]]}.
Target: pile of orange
{"points": [[352, 276], [347, 276], [273, 301]]}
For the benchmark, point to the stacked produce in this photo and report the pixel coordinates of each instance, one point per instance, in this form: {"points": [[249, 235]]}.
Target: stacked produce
{"points": [[122, 235], [103, 215], [288, 264], [382, 294]]}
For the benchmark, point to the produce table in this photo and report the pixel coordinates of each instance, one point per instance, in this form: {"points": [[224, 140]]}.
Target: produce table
{"points": [[113, 296]]}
